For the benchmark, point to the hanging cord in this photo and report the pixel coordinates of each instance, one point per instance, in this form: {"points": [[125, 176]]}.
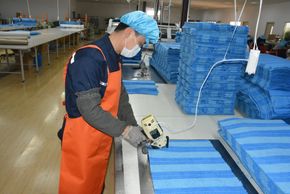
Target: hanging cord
{"points": [[205, 80], [57, 7], [68, 10], [28, 8], [257, 26], [188, 10], [236, 27], [235, 10]]}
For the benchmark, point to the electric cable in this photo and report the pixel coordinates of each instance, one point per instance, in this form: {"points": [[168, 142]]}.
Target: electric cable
{"points": [[224, 60]]}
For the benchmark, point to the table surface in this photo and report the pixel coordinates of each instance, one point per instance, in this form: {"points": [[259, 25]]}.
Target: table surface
{"points": [[165, 109], [45, 36]]}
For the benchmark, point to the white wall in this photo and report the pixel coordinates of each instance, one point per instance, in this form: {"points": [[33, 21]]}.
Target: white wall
{"points": [[38, 8], [104, 10], [278, 13]]}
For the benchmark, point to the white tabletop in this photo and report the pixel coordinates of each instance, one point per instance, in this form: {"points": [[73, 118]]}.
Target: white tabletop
{"points": [[45, 36], [165, 109]]}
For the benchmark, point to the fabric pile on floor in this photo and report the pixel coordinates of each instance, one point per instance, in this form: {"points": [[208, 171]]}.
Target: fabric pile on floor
{"points": [[266, 95], [202, 45]]}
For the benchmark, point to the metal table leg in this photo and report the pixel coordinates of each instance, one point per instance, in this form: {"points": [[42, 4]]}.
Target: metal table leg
{"points": [[69, 41], [21, 65], [56, 48], [36, 59], [7, 56], [74, 39], [48, 56], [64, 44]]}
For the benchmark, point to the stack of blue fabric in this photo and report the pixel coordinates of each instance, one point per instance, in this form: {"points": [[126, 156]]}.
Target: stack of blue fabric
{"points": [[263, 147], [165, 60], [266, 95], [141, 87], [178, 37], [202, 45], [28, 22], [192, 166]]}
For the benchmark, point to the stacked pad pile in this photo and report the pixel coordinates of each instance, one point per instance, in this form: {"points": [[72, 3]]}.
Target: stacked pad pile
{"points": [[263, 147], [165, 60], [266, 95], [71, 24], [178, 37], [202, 45], [141, 87], [27, 22], [14, 37]]}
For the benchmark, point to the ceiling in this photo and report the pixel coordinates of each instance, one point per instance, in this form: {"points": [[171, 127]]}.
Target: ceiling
{"points": [[198, 4]]}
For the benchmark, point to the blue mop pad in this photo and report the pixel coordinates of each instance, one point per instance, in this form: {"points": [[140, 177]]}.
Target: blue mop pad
{"points": [[165, 60], [192, 166], [202, 45], [141, 87], [263, 146], [272, 73], [255, 102]]}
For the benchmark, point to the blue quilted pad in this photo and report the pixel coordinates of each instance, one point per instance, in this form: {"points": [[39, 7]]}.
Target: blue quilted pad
{"points": [[141, 87], [263, 146], [266, 95], [272, 73], [165, 60], [202, 45], [192, 167]]}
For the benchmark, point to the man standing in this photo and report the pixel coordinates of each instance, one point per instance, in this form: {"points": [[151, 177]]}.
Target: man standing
{"points": [[97, 104]]}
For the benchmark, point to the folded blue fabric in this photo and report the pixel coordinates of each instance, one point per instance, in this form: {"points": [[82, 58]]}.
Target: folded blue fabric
{"points": [[272, 73], [202, 45], [263, 146], [141, 87], [191, 166], [165, 60], [255, 102]]}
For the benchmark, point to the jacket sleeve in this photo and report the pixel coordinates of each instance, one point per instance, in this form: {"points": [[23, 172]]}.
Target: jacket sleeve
{"points": [[88, 103], [125, 110]]}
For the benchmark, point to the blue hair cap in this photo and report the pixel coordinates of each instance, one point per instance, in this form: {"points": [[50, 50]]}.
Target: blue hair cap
{"points": [[143, 24]]}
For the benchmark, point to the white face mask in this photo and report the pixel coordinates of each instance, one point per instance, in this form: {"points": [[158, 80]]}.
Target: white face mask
{"points": [[129, 53]]}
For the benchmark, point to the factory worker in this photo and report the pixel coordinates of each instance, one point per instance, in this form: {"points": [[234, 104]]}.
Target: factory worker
{"points": [[97, 104]]}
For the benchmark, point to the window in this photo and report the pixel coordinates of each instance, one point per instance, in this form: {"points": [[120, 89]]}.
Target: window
{"points": [[269, 29], [286, 28], [150, 11]]}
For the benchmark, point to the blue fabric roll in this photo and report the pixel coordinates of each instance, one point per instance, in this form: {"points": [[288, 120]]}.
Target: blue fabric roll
{"points": [[263, 146], [191, 166]]}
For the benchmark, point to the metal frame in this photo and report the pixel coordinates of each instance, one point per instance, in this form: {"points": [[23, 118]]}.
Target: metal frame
{"points": [[119, 170], [240, 164], [146, 185]]}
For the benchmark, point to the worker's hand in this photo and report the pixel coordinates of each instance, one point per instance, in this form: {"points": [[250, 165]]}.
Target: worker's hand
{"points": [[133, 135]]}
